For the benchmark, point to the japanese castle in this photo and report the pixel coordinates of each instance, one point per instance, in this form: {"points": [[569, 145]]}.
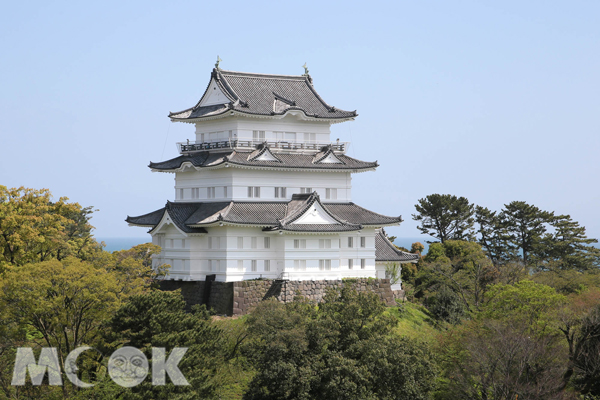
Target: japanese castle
{"points": [[263, 191]]}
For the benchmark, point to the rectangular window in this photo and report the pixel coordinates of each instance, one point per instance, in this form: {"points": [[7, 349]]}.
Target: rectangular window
{"points": [[350, 242], [224, 191], [280, 193], [324, 243], [325, 265], [253, 242], [363, 263], [267, 243], [181, 194], [306, 190], [253, 265], [363, 241], [258, 136], [310, 137], [299, 243], [240, 243], [230, 134], [195, 193], [240, 265], [202, 138], [267, 265], [254, 191], [183, 243], [350, 263], [210, 192], [331, 194], [300, 265]]}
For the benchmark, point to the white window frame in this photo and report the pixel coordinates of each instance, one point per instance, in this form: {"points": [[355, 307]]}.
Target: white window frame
{"points": [[253, 267], [240, 242], [258, 136], [350, 242], [267, 265], [324, 243], [254, 192], [253, 242], [350, 263], [210, 192], [299, 243], [280, 192], [363, 263], [267, 242], [363, 242]]}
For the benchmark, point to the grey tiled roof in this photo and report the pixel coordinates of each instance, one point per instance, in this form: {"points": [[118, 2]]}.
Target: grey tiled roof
{"points": [[359, 215], [300, 204], [179, 212], [191, 216], [261, 94], [292, 161], [386, 251]]}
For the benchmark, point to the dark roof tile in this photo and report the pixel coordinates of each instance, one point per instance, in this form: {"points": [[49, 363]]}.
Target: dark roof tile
{"points": [[260, 94], [386, 251]]}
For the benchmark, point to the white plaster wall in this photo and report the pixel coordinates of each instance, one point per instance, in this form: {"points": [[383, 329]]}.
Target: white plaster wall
{"points": [[237, 182], [192, 258], [242, 128]]}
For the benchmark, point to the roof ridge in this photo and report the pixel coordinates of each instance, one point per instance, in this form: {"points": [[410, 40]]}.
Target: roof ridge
{"points": [[263, 75]]}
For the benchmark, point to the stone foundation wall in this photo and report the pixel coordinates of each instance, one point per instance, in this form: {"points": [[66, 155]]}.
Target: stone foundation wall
{"points": [[238, 298], [221, 298], [192, 292]]}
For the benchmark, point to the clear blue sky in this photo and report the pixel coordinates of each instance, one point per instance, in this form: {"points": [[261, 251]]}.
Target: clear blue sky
{"points": [[494, 101]]}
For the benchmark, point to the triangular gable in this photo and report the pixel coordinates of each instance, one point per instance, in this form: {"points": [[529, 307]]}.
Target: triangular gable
{"points": [[165, 221], [263, 154], [327, 156], [315, 214], [330, 159], [214, 95]]}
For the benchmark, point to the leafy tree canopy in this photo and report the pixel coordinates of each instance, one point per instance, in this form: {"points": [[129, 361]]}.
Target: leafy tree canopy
{"points": [[34, 228], [445, 217]]}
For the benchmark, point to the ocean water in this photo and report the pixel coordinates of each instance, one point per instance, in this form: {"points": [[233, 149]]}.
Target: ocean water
{"points": [[122, 243], [407, 242]]}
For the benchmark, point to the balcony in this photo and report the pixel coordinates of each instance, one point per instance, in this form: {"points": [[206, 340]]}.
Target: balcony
{"points": [[243, 144]]}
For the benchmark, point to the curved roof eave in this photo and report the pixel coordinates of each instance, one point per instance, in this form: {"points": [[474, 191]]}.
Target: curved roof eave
{"points": [[231, 113]]}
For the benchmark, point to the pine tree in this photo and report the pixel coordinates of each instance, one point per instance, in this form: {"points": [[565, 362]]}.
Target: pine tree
{"points": [[568, 247], [526, 225], [445, 217], [495, 238]]}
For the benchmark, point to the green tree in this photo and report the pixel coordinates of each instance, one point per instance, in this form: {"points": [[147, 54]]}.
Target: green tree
{"points": [[445, 217], [568, 247], [159, 319], [526, 224], [34, 228], [579, 322], [494, 236], [460, 266], [343, 349]]}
